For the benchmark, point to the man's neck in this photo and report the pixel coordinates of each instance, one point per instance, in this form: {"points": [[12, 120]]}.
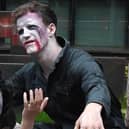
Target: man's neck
{"points": [[48, 56]]}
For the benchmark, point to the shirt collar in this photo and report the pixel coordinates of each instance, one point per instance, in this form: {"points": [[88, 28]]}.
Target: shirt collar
{"points": [[64, 44]]}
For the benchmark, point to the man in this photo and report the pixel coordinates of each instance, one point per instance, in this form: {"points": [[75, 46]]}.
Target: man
{"points": [[78, 94]]}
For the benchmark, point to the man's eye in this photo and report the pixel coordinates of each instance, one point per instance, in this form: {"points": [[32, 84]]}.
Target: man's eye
{"points": [[32, 27], [21, 31]]}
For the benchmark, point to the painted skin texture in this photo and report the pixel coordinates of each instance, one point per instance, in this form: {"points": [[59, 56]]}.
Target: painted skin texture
{"points": [[32, 32]]}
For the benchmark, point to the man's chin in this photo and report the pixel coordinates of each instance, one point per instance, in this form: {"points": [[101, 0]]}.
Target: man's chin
{"points": [[31, 52]]}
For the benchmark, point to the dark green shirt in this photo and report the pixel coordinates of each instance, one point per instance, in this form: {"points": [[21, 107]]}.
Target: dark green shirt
{"points": [[75, 81]]}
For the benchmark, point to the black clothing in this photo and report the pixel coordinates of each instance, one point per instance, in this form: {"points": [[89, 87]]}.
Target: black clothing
{"points": [[7, 116], [75, 81]]}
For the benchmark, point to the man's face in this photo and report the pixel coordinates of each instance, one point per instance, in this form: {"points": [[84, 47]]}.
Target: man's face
{"points": [[32, 32]]}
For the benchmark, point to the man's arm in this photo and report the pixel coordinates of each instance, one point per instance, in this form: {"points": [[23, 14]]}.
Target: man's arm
{"points": [[97, 96]]}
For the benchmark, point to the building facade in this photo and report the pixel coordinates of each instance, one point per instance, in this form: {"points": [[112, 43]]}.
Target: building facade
{"points": [[99, 27]]}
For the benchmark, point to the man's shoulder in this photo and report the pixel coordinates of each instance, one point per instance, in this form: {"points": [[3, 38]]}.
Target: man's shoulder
{"points": [[79, 53]]}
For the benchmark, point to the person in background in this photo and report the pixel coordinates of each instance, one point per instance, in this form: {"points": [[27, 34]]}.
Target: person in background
{"points": [[7, 113], [32, 107], [78, 95]]}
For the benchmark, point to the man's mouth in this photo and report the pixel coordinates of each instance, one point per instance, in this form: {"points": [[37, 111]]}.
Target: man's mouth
{"points": [[28, 42], [31, 42]]}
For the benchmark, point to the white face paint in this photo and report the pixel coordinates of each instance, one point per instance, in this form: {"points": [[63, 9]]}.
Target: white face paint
{"points": [[1, 102], [32, 32]]}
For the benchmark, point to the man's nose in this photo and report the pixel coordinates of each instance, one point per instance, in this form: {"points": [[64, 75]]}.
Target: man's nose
{"points": [[26, 37]]}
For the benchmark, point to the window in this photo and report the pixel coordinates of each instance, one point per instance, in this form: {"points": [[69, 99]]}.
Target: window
{"points": [[87, 23], [61, 8], [101, 23]]}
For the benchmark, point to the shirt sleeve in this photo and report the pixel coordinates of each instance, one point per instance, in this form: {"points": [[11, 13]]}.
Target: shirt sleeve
{"points": [[94, 84], [16, 84]]}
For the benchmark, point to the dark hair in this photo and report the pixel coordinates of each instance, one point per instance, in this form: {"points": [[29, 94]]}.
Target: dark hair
{"points": [[47, 14], [7, 117]]}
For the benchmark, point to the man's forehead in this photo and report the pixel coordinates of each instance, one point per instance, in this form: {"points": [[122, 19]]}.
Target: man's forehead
{"points": [[1, 102], [29, 18]]}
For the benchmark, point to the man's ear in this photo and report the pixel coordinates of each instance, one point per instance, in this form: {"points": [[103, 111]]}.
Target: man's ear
{"points": [[51, 29]]}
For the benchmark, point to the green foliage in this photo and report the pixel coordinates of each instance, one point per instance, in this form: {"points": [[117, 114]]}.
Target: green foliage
{"points": [[43, 116], [126, 71], [123, 101]]}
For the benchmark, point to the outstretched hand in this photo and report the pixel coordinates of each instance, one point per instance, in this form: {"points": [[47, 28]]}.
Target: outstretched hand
{"points": [[34, 105], [90, 118]]}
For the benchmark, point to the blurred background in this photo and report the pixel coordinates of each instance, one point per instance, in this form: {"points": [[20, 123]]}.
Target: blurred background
{"points": [[99, 27]]}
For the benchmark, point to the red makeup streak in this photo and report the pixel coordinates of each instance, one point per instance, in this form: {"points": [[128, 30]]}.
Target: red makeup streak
{"points": [[35, 42]]}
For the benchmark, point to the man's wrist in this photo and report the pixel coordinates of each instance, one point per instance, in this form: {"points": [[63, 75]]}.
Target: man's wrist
{"points": [[96, 106]]}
